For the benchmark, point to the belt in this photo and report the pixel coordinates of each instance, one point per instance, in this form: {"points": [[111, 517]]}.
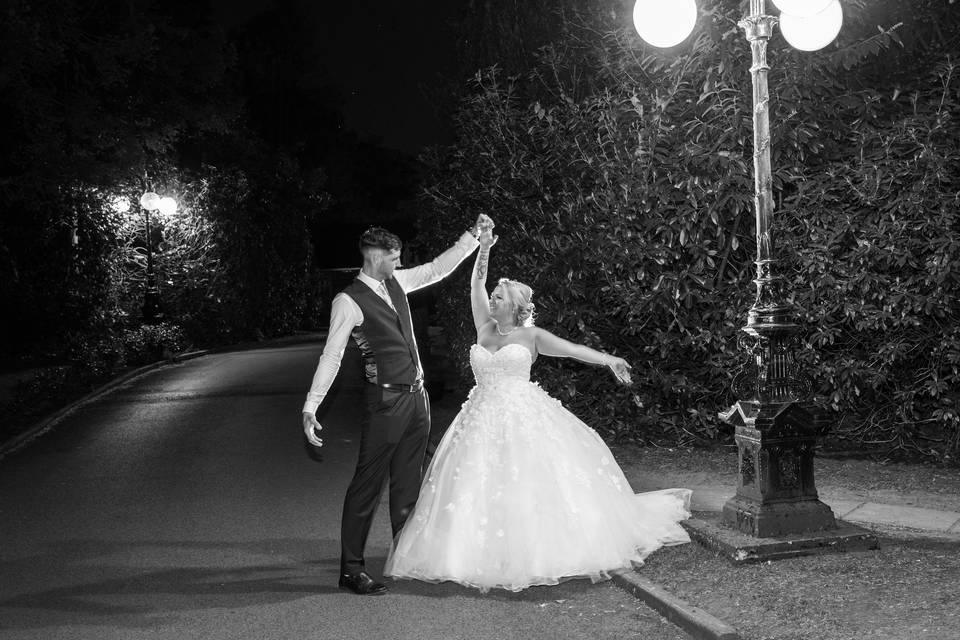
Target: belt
{"points": [[407, 388]]}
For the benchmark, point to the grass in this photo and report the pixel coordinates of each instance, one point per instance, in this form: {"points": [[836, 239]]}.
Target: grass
{"points": [[905, 590]]}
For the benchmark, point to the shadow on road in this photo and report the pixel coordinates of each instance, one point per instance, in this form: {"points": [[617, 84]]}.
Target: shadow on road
{"points": [[147, 578]]}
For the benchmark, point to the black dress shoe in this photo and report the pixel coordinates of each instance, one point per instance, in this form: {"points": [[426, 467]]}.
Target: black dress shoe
{"points": [[362, 584]]}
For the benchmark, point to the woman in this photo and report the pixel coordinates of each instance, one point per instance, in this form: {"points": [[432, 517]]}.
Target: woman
{"points": [[520, 492]]}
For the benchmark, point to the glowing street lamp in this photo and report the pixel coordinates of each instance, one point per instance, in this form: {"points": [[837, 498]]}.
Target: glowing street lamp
{"points": [[802, 8], [664, 23], [812, 32], [775, 431], [150, 201], [120, 204], [167, 206]]}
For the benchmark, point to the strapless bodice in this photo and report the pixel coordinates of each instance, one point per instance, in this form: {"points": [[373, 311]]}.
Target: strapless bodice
{"points": [[510, 363]]}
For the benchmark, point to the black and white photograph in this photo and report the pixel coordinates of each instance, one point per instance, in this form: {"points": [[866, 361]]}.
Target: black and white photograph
{"points": [[480, 320]]}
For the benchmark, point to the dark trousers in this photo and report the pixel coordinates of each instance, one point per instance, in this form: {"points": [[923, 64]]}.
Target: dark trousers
{"points": [[393, 439]]}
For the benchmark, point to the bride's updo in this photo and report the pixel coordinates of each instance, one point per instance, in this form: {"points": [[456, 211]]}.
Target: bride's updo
{"points": [[520, 295]]}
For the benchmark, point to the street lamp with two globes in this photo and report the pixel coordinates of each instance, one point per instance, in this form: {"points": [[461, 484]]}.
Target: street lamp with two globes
{"points": [[166, 206], [775, 431]]}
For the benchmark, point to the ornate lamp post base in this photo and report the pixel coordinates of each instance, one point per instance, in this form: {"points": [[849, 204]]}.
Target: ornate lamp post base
{"points": [[742, 548], [766, 520], [776, 493]]}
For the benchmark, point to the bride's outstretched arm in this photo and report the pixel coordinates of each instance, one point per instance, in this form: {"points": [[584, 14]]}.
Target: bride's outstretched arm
{"points": [[550, 345], [478, 280]]}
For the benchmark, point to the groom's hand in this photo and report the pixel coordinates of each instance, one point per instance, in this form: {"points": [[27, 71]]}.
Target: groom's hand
{"points": [[310, 428], [483, 223]]}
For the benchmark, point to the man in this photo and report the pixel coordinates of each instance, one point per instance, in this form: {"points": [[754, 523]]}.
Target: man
{"points": [[393, 437]]}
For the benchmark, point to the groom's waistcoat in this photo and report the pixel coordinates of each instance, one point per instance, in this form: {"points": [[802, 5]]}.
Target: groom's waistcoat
{"points": [[385, 337]]}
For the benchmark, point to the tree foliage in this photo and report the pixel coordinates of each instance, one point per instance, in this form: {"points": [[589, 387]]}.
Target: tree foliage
{"points": [[621, 182], [104, 100]]}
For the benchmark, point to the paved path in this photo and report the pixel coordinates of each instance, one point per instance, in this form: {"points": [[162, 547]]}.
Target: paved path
{"points": [[184, 505], [889, 517]]}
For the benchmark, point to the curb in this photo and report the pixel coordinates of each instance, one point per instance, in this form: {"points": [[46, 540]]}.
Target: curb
{"points": [[46, 423], [693, 620], [17, 442]]}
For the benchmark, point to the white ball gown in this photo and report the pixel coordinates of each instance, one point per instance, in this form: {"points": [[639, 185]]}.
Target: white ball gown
{"points": [[521, 492]]}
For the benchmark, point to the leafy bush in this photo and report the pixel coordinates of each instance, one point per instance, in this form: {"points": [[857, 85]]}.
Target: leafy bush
{"points": [[151, 343], [621, 184], [233, 263]]}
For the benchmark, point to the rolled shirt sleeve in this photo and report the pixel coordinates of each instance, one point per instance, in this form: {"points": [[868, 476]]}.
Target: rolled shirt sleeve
{"points": [[344, 316], [438, 268]]}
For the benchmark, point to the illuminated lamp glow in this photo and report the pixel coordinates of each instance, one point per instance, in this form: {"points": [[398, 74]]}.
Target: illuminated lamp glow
{"points": [[802, 8], [664, 23], [167, 206], [815, 32], [150, 201], [120, 204]]}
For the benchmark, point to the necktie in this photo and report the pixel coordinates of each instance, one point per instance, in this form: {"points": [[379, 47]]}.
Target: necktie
{"points": [[382, 292]]}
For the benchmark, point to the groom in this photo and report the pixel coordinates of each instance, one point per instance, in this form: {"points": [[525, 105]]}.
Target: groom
{"points": [[393, 435]]}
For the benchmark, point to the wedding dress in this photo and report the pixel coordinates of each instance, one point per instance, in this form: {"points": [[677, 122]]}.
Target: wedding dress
{"points": [[521, 492]]}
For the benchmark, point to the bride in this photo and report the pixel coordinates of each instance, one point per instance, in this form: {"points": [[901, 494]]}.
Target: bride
{"points": [[520, 492]]}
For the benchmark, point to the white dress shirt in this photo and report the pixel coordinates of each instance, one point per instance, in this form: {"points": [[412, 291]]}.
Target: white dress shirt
{"points": [[345, 314]]}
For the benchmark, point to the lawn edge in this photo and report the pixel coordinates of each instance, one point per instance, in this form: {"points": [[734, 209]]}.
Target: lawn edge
{"points": [[693, 620]]}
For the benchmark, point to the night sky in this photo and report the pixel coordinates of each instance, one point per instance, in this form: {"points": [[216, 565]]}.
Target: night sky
{"points": [[385, 58]]}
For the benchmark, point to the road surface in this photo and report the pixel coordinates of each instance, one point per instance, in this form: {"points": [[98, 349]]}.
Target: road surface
{"points": [[185, 505]]}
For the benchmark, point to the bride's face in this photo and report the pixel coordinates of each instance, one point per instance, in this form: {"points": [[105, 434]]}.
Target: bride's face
{"points": [[500, 306]]}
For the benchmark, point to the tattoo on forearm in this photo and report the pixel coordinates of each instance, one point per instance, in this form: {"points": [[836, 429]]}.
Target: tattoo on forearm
{"points": [[482, 260]]}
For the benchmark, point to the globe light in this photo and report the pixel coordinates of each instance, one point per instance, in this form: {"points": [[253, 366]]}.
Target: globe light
{"points": [[664, 23], [814, 32], [802, 8], [167, 206], [120, 204], [150, 201]]}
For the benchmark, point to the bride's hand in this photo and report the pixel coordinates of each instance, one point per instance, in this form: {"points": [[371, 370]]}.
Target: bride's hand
{"points": [[621, 369], [487, 239]]}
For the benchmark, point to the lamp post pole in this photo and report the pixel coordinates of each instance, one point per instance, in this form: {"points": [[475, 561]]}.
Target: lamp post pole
{"points": [[151, 297], [775, 431]]}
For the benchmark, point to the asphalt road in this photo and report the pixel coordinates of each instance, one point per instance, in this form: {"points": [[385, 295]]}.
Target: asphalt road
{"points": [[185, 505]]}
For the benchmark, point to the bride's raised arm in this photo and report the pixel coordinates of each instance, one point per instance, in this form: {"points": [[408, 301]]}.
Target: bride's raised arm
{"points": [[479, 299], [550, 345]]}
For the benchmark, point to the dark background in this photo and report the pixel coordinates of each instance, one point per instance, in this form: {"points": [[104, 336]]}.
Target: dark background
{"points": [[363, 87]]}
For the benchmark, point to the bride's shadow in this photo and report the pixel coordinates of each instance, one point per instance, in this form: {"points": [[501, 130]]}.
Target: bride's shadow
{"points": [[567, 589]]}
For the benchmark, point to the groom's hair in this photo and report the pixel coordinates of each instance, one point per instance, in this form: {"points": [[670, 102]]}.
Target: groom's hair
{"points": [[379, 238]]}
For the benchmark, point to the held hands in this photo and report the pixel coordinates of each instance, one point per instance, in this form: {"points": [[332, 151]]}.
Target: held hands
{"points": [[487, 239], [621, 369], [310, 428], [483, 223]]}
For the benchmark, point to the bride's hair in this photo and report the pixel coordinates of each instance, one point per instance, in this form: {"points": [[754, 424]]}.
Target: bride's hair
{"points": [[520, 295]]}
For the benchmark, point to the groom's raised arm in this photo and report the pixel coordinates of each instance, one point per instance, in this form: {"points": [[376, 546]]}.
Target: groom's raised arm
{"points": [[440, 267]]}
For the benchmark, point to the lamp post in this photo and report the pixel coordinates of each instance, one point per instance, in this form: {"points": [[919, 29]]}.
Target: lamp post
{"points": [[775, 430], [150, 201]]}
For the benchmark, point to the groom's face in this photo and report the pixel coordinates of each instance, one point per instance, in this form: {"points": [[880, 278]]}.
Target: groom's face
{"points": [[389, 260]]}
